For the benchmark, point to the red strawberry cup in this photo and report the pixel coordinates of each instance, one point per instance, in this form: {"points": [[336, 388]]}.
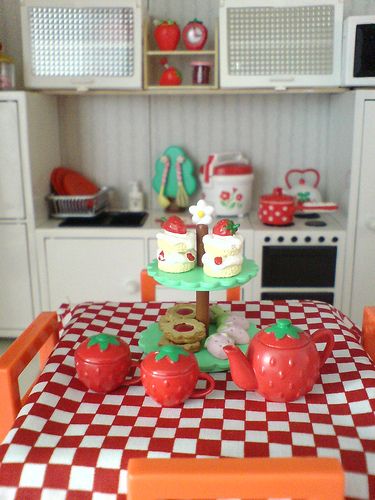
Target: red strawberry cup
{"points": [[170, 375]]}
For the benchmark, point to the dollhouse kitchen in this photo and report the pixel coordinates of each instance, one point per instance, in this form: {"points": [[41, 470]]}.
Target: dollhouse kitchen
{"points": [[187, 234], [103, 135]]}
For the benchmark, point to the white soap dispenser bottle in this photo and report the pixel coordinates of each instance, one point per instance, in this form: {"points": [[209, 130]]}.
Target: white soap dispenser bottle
{"points": [[135, 198]]}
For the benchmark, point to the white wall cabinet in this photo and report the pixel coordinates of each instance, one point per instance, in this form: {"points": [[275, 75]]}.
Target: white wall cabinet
{"points": [[29, 149], [92, 269]]}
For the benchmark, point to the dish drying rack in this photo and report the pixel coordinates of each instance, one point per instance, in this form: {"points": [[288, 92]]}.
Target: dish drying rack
{"points": [[62, 207]]}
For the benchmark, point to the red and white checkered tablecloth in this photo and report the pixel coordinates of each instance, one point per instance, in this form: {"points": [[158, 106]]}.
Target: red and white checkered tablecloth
{"points": [[70, 443]]}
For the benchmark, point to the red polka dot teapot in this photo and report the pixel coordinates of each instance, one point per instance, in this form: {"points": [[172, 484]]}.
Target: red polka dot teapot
{"points": [[282, 361]]}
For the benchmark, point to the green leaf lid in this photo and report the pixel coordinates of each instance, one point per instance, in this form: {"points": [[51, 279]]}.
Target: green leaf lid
{"points": [[284, 330], [172, 352]]}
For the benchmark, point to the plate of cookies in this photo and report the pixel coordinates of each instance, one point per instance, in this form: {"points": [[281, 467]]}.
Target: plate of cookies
{"points": [[180, 327]]}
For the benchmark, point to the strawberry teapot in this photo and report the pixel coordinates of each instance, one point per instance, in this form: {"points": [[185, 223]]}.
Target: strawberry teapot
{"points": [[282, 362]]}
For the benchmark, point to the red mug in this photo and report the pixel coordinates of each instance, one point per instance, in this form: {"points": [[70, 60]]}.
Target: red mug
{"points": [[170, 375], [102, 363]]}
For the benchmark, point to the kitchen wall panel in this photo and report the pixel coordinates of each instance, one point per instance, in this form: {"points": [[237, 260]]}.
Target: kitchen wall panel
{"points": [[117, 139]]}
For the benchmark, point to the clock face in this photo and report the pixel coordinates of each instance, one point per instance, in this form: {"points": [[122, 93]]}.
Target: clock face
{"points": [[195, 34]]}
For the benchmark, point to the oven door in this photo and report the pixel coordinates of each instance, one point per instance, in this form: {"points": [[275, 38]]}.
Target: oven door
{"points": [[298, 266]]}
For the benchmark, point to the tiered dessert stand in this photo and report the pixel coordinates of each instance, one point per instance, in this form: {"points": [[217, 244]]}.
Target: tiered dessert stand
{"points": [[196, 280]]}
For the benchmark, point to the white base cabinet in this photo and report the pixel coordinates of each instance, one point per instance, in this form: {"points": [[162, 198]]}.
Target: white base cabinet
{"points": [[16, 304], [29, 149], [92, 269]]}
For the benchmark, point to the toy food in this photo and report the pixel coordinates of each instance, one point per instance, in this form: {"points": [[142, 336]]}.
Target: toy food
{"points": [[167, 34], [170, 375], [194, 35], [171, 75], [187, 333], [223, 250], [231, 329], [282, 362], [102, 363], [176, 246]]}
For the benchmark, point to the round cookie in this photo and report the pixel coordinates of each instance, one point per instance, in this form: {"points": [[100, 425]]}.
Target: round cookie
{"points": [[181, 311], [183, 331]]}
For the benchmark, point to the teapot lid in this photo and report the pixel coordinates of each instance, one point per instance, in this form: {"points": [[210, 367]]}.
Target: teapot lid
{"points": [[283, 330]]}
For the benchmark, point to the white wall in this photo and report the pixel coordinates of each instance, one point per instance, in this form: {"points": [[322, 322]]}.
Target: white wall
{"points": [[117, 139]]}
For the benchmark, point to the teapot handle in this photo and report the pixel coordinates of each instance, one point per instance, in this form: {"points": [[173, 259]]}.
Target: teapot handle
{"points": [[324, 335]]}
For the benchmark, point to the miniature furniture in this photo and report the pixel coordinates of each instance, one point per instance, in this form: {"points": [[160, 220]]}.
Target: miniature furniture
{"points": [[297, 477], [148, 289], [69, 440]]}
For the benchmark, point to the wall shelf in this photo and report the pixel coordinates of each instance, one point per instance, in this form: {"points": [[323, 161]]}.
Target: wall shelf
{"points": [[193, 90]]}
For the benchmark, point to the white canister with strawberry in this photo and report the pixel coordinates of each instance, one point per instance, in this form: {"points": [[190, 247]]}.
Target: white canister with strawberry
{"points": [[176, 246], [223, 248]]}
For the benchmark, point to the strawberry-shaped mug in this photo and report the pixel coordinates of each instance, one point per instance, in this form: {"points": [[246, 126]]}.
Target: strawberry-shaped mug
{"points": [[282, 361], [170, 375], [102, 363]]}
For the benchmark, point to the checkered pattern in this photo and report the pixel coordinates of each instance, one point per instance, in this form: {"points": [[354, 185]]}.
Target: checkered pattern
{"points": [[68, 442]]}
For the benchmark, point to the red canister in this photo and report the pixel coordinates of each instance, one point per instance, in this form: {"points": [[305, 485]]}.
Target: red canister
{"points": [[276, 209]]}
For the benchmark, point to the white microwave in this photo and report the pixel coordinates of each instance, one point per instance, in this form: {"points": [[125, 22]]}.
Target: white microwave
{"points": [[358, 65], [82, 44]]}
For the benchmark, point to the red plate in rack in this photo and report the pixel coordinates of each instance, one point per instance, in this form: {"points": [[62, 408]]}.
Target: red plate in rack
{"points": [[76, 184], [57, 177]]}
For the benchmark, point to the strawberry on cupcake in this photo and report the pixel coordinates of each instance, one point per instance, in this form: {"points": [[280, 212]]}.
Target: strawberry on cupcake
{"points": [[223, 250], [176, 246]]}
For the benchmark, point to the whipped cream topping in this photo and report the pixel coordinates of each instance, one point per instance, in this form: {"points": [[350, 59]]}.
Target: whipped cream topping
{"points": [[224, 242], [176, 257], [187, 239], [231, 260]]}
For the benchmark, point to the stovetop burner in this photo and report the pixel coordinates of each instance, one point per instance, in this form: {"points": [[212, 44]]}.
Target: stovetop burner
{"points": [[315, 223]]}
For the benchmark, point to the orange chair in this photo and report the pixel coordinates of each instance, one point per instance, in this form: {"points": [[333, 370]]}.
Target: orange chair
{"points": [[148, 289], [368, 331], [40, 337], [182, 478]]}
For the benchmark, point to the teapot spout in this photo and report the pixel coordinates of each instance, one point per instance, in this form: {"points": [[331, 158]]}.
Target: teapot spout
{"points": [[240, 368]]}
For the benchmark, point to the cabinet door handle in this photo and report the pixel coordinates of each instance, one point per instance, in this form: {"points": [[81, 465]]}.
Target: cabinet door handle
{"points": [[132, 287], [370, 223]]}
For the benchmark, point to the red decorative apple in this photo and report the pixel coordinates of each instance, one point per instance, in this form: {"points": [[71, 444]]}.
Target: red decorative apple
{"points": [[170, 376], [171, 75], [102, 363], [194, 35], [167, 34]]}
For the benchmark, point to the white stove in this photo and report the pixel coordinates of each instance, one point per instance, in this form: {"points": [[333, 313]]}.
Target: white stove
{"points": [[302, 260]]}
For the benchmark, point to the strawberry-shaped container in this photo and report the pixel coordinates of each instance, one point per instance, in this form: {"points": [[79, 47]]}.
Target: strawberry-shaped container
{"points": [[167, 34], [102, 363], [170, 375], [282, 361]]}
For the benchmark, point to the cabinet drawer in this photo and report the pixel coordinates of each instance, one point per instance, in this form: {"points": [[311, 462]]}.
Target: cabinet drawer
{"points": [[16, 306], [93, 269], [11, 193]]}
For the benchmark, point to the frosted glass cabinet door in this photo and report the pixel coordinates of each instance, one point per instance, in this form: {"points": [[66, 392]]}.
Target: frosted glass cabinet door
{"points": [[16, 308], [11, 194], [363, 289], [85, 269]]}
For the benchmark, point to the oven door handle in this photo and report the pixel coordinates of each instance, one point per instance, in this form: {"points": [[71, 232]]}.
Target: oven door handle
{"points": [[370, 223]]}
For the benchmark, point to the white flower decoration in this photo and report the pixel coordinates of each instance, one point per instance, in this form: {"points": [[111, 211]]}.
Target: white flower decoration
{"points": [[201, 213]]}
